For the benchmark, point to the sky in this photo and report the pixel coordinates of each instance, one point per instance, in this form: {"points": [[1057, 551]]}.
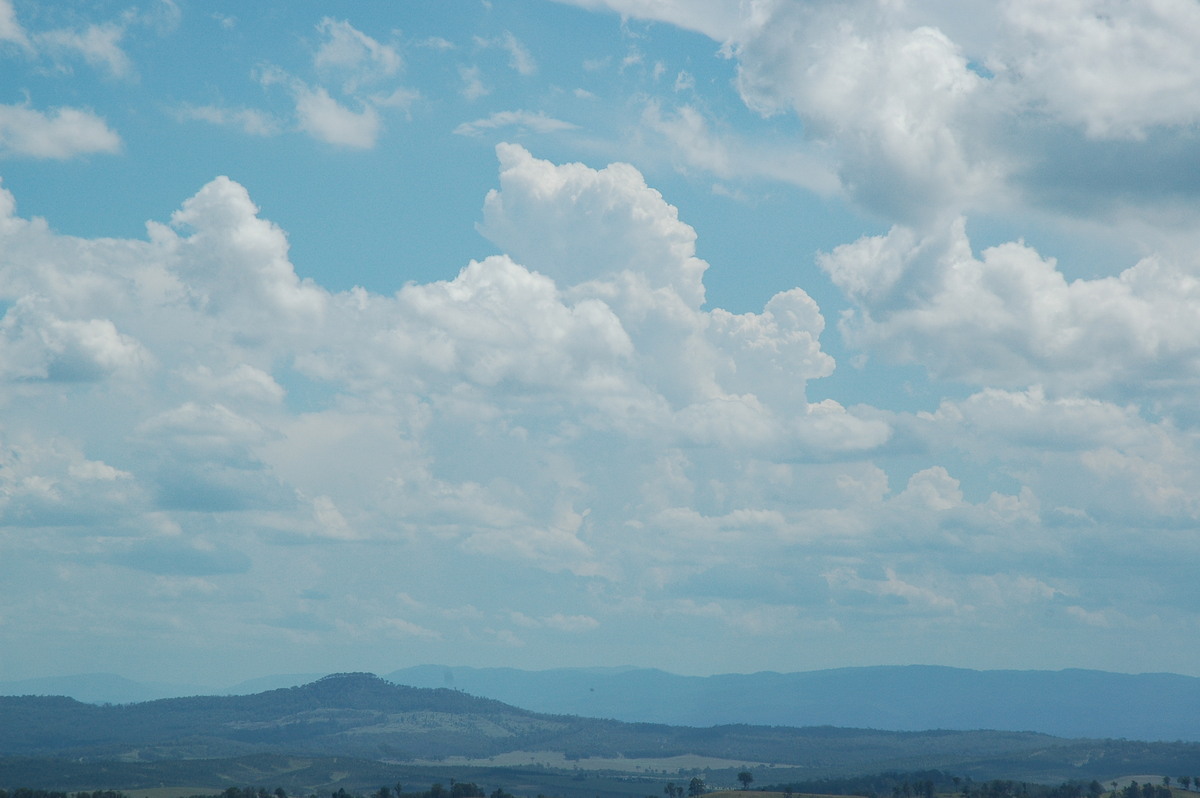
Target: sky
{"points": [[707, 335]]}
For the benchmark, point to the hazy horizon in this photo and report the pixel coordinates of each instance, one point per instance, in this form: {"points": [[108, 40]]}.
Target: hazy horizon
{"points": [[711, 336]]}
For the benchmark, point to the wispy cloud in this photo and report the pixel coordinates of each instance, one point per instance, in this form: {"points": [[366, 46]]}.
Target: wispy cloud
{"points": [[249, 120], [533, 122]]}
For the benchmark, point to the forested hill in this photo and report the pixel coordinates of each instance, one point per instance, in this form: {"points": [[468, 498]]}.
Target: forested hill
{"points": [[360, 715], [287, 718]]}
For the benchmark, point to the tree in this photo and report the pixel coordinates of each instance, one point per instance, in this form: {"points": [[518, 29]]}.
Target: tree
{"points": [[696, 787], [746, 778], [1186, 781]]}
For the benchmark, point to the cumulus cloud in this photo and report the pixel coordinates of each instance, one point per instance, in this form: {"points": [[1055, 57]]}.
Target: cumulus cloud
{"points": [[571, 407], [593, 332], [243, 382], [635, 230], [1010, 317], [52, 483], [1076, 453], [234, 258], [899, 105], [1114, 69], [896, 106], [924, 109], [36, 345], [606, 236]]}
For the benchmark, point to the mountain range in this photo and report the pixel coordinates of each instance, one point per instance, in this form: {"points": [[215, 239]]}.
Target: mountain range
{"points": [[369, 718], [1068, 703]]}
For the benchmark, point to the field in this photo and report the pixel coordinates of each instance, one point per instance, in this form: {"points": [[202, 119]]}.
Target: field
{"points": [[556, 759]]}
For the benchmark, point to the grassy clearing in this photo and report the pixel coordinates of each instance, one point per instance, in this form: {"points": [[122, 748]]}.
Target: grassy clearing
{"points": [[556, 759]]}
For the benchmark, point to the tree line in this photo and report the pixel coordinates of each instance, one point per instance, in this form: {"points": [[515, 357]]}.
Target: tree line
{"points": [[25, 792], [931, 783], [457, 789]]}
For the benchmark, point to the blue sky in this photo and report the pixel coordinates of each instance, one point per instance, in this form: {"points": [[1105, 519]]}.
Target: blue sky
{"points": [[712, 336]]}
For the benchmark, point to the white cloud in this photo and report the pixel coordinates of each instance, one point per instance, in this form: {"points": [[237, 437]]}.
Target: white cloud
{"points": [[10, 28], [898, 105], [437, 43], [36, 345], [355, 55], [635, 230], [99, 45], [208, 432], [250, 120], [573, 409], [534, 122], [558, 622], [350, 116], [1011, 318], [398, 98], [52, 483], [330, 121], [519, 57], [896, 108], [164, 17], [690, 138], [1116, 69], [927, 109], [59, 134], [606, 236], [542, 365], [932, 489], [716, 19], [473, 86], [244, 382], [236, 261]]}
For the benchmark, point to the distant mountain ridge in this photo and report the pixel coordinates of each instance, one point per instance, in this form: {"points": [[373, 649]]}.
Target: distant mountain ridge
{"points": [[364, 717], [1068, 703]]}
